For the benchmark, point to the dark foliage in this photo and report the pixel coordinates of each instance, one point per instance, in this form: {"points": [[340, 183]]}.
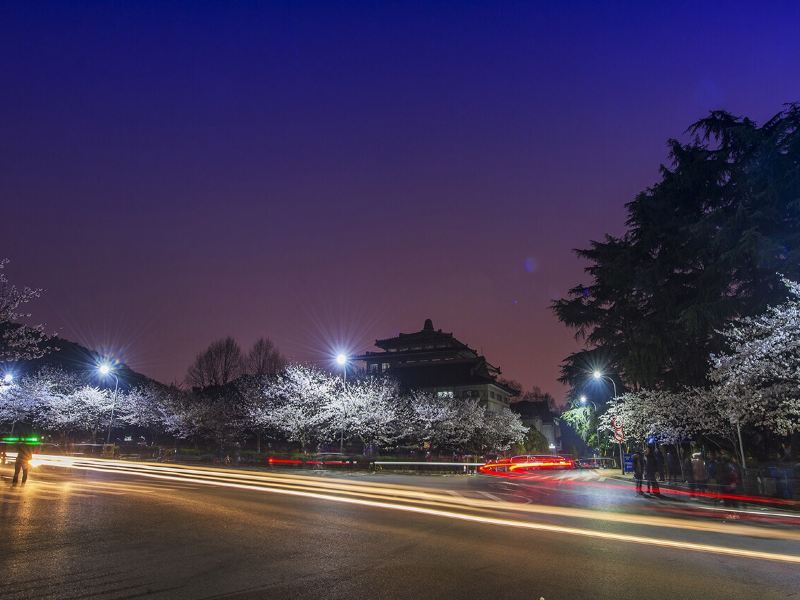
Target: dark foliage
{"points": [[704, 245]]}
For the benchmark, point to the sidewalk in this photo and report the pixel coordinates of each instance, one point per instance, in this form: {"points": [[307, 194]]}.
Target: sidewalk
{"points": [[683, 490]]}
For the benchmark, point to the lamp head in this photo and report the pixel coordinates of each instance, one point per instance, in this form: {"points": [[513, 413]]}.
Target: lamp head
{"points": [[597, 374], [104, 369], [341, 359]]}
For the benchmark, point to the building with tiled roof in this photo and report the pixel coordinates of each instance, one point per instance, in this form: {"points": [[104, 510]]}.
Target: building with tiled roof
{"points": [[435, 361]]}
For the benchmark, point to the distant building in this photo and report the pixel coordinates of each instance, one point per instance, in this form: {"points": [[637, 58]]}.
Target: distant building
{"points": [[537, 414], [437, 362]]}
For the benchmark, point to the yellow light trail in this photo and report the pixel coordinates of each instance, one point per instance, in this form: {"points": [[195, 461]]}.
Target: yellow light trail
{"points": [[388, 497], [415, 495]]}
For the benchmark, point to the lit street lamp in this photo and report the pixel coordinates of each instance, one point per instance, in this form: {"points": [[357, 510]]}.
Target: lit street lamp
{"points": [[598, 375], [105, 370], [341, 360], [8, 379]]}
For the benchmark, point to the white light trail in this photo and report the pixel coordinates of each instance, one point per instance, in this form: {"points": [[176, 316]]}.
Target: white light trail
{"points": [[409, 499]]}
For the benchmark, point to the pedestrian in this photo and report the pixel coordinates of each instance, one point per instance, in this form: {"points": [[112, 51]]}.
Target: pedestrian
{"points": [[699, 472], [673, 467], [23, 462], [784, 472], [651, 471], [711, 467], [659, 463], [638, 470], [686, 467], [734, 484]]}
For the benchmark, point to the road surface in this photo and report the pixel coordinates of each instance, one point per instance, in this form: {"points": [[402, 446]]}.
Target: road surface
{"points": [[103, 529]]}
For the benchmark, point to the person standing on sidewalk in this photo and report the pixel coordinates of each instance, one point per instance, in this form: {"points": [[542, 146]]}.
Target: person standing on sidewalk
{"points": [[699, 472], [651, 471], [638, 470], [23, 462], [784, 473]]}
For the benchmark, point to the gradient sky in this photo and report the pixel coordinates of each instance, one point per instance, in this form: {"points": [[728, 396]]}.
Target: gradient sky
{"points": [[327, 174]]}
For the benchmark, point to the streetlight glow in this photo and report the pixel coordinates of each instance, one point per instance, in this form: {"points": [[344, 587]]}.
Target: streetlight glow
{"points": [[105, 369], [341, 359], [597, 374], [583, 399], [8, 378]]}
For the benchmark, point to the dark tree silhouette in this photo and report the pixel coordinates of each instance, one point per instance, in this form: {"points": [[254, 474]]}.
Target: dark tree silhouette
{"points": [[264, 358], [704, 245], [217, 365]]}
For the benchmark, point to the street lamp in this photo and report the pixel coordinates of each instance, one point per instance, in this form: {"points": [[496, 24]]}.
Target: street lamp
{"points": [[552, 449], [598, 375], [105, 370], [341, 360], [8, 379]]}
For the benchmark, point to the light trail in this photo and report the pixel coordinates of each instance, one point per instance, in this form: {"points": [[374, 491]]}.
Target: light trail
{"points": [[518, 473], [404, 498], [673, 544]]}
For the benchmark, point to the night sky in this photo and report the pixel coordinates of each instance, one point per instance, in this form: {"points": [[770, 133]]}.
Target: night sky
{"points": [[330, 174]]}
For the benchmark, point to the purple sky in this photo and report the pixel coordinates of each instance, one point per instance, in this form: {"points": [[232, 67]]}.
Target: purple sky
{"points": [[327, 175]]}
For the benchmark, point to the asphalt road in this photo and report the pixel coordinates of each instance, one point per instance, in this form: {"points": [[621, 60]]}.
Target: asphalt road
{"points": [[108, 531]]}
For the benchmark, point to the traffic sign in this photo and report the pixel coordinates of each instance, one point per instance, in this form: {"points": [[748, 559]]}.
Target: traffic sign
{"points": [[618, 432]]}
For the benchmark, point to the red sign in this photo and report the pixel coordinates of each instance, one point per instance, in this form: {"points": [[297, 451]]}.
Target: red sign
{"points": [[619, 434]]}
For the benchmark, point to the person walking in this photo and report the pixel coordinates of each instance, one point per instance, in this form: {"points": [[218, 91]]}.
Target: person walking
{"points": [[23, 462], [638, 471], [651, 471]]}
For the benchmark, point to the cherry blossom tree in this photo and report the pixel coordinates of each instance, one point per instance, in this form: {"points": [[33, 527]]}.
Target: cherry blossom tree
{"points": [[85, 409], [297, 399], [365, 409], [17, 340], [446, 423], [33, 397], [501, 430], [758, 381]]}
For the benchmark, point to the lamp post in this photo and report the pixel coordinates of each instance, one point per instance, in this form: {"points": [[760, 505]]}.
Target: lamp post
{"points": [[105, 370], [8, 379], [584, 400], [598, 375], [341, 360]]}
